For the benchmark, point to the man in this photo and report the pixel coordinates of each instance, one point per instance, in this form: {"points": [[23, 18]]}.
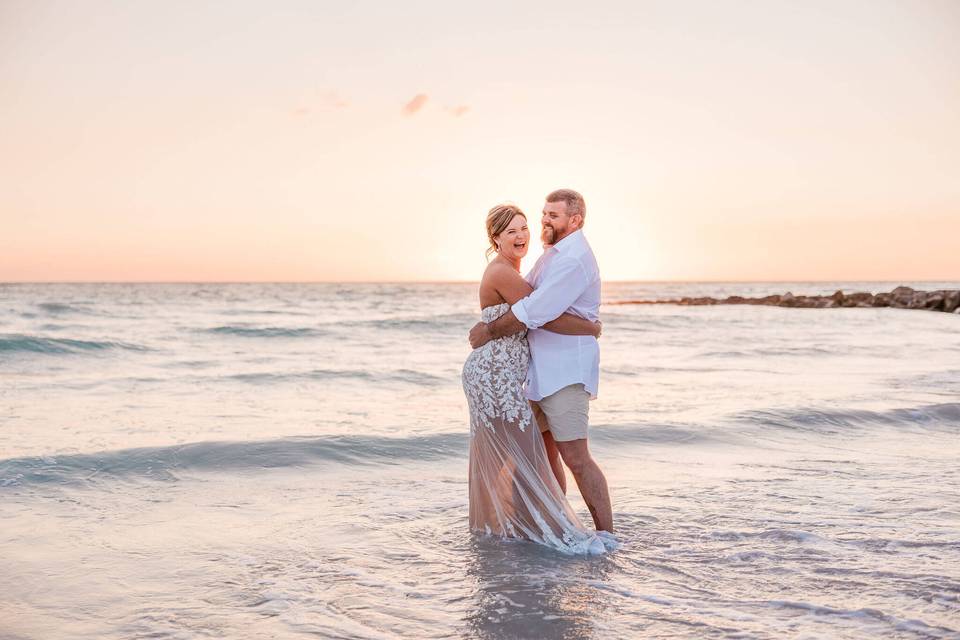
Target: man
{"points": [[564, 370]]}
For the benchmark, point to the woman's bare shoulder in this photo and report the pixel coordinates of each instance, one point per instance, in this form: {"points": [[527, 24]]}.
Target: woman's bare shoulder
{"points": [[495, 277], [499, 272]]}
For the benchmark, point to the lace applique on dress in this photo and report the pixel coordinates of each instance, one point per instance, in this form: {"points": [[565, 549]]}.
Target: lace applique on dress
{"points": [[493, 377]]}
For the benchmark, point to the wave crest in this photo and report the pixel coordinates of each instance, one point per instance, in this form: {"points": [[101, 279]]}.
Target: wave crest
{"points": [[264, 332], [163, 463], [13, 342], [934, 415]]}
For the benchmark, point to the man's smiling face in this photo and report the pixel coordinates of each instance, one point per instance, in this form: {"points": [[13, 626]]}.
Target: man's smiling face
{"points": [[557, 224]]}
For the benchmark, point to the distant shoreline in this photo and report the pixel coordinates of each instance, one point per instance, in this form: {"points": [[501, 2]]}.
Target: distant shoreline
{"points": [[946, 300]]}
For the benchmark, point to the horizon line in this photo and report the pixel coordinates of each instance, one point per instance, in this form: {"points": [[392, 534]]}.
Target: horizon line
{"points": [[610, 281]]}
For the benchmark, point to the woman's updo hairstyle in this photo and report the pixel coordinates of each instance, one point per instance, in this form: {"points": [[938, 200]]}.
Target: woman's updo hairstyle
{"points": [[498, 219]]}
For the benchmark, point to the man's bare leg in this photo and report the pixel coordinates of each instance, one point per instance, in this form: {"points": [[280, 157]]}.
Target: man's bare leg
{"points": [[553, 455], [590, 480]]}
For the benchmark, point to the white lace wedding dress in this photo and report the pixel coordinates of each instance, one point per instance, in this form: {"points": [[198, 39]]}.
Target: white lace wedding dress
{"points": [[513, 492]]}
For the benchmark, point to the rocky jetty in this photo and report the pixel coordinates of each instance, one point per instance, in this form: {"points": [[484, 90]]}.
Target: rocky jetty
{"points": [[947, 300]]}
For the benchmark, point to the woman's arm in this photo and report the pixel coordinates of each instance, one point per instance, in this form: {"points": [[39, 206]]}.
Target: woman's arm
{"points": [[512, 287], [571, 325]]}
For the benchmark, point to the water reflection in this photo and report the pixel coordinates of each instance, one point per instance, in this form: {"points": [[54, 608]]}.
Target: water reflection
{"points": [[523, 590]]}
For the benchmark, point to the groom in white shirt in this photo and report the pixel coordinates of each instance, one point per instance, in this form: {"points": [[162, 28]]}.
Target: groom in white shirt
{"points": [[564, 371]]}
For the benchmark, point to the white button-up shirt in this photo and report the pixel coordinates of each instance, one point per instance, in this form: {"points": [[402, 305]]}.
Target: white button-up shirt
{"points": [[565, 279]]}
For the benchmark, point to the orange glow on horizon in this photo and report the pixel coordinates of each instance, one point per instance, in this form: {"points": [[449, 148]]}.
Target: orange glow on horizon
{"points": [[266, 144]]}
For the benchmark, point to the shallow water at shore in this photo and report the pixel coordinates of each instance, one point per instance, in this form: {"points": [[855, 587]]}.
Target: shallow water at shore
{"points": [[286, 461]]}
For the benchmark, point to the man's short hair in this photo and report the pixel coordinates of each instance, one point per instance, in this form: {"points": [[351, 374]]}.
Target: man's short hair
{"points": [[575, 203]]}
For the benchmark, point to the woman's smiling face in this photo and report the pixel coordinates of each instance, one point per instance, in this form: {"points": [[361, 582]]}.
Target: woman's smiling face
{"points": [[514, 241]]}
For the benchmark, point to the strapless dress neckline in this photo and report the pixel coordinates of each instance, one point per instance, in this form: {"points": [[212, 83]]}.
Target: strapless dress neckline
{"points": [[493, 311]]}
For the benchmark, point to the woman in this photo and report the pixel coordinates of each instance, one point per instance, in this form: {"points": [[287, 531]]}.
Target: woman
{"points": [[513, 491]]}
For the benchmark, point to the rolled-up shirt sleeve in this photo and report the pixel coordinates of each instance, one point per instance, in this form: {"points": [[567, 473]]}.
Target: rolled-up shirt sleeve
{"points": [[565, 281]]}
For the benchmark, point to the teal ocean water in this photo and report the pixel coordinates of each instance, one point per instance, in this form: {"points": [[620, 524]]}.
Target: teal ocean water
{"points": [[287, 461]]}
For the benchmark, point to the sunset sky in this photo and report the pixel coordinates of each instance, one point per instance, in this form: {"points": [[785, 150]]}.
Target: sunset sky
{"points": [[317, 141]]}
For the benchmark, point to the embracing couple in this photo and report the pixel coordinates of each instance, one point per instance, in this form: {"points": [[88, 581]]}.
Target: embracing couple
{"points": [[528, 382]]}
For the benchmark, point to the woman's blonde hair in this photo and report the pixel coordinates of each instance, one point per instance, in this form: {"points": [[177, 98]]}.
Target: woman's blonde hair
{"points": [[498, 219]]}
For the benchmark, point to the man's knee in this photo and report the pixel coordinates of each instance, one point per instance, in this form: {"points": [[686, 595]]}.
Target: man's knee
{"points": [[575, 455]]}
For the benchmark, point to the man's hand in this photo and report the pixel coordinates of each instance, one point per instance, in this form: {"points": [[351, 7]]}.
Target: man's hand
{"points": [[480, 335], [599, 329]]}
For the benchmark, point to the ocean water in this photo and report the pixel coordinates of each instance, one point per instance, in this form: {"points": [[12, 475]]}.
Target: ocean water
{"points": [[287, 461]]}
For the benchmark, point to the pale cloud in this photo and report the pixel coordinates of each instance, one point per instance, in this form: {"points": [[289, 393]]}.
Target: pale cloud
{"points": [[415, 104], [326, 99], [458, 111]]}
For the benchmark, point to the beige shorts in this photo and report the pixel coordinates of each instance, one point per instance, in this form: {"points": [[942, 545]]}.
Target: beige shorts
{"points": [[567, 413]]}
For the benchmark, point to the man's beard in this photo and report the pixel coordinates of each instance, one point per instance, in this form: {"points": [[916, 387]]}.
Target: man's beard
{"points": [[548, 234]]}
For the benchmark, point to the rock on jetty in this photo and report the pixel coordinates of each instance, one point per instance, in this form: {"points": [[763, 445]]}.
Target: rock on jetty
{"points": [[901, 298]]}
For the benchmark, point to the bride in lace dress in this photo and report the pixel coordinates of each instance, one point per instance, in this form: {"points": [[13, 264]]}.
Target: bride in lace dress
{"points": [[513, 490]]}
